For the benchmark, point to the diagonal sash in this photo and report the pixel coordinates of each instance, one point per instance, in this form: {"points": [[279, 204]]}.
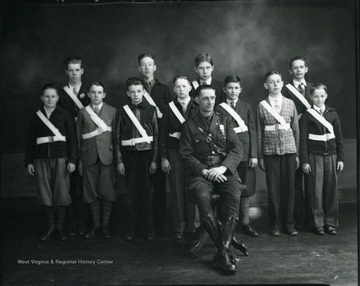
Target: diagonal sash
{"points": [[152, 102], [276, 115], [176, 112], [137, 124], [73, 97], [298, 95], [321, 119], [236, 116], [54, 130]]}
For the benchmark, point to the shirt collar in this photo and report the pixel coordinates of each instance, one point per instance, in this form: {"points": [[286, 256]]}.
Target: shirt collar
{"points": [[208, 82], [99, 106], [297, 82], [228, 101], [77, 87], [184, 101], [318, 109], [277, 98]]}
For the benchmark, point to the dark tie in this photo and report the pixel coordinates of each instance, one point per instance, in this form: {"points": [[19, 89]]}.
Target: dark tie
{"points": [[96, 109], [301, 88], [204, 83], [321, 111], [232, 104]]}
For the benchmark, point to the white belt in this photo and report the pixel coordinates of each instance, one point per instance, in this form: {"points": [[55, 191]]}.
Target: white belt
{"points": [[175, 135], [94, 133], [324, 137], [276, 127], [133, 141], [240, 130], [50, 139]]}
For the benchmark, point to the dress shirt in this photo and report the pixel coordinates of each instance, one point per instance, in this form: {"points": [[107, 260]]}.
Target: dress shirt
{"points": [[276, 102]]}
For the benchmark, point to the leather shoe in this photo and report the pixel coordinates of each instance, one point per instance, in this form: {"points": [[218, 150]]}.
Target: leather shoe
{"points": [[319, 231], [291, 232], [150, 237], [246, 229], [330, 230], [129, 237], [48, 235], [105, 232], [274, 232], [92, 233], [178, 235]]}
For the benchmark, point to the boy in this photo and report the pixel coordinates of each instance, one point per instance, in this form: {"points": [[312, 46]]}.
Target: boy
{"points": [[98, 145], [51, 155], [158, 95], [176, 112], [299, 91], [244, 119], [204, 66], [138, 134], [73, 98], [278, 141], [322, 155]]}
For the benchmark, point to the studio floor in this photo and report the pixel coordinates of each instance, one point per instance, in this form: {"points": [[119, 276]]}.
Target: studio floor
{"points": [[304, 259]]}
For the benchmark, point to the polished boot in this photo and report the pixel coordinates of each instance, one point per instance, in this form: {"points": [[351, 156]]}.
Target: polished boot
{"points": [[95, 213], [60, 217], [49, 211], [106, 206], [198, 243], [222, 240]]}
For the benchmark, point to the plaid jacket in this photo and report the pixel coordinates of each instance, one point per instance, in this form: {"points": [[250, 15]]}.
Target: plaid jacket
{"points": [[278, 142]]}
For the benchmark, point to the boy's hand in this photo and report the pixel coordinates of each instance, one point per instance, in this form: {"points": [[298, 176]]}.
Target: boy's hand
{"points": [[253, 162], [31, 169], [340, 166], [306, 168], [165, 166], [153, 167], [80, 168], [297, 162], [262, 165], [121, 168], [70, 167]]}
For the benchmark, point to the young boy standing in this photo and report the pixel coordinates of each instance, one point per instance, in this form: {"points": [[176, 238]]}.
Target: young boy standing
{"points": [[138, 135], [158, 95], [176, 112], [298, 90], [322, 156], [244, 119], [73, 98], [51, 155], [204, 66], [98, 145], [278, 141]]}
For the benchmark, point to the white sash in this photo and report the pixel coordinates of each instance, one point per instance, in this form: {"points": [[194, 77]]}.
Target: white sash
{"points": [[152, 102], [137, 124], [276, 115], [299, 96], [73, 97], [236, 116], [54, 130], [102, 127], [176, 112], [321, 119], [195, 84]]}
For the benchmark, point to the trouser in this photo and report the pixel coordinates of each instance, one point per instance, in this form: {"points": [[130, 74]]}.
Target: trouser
{"points": [[158, 181], [300, 208], [139, 194], [322, 189], [280, 176]]}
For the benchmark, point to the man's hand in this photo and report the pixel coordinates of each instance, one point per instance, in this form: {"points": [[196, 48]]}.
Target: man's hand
{"points": [[121, 168], [253, 162], [306, 168], [31, 169], [165, 166], [153, 167], [70, 167], [340, 166], [217, 174], [262, 165]]}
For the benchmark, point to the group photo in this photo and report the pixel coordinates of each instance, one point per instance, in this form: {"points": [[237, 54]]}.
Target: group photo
{"points": [[179, 142]]}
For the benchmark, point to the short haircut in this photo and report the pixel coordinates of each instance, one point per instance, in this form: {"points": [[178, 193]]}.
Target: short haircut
{"points": [[298, 58], [49, 86], [97, 83], [203, 58], [144, 55], [318, 86], [134, 81], [232, 78], [203, 87], [272, 73], [73, 60], [181, 77]]}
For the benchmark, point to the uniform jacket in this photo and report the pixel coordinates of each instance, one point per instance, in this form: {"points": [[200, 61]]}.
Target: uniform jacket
{"points": [[278, 142], [67, 103], [309, 125], [63, 121], [146, 115], [300, 107], [220, 96], [171, 124], [248, 138], [193, 144], [161, 95], [103, 145]]}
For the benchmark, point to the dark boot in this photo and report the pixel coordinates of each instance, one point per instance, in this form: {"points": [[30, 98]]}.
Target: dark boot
{"points": [[95, 213], [198, 244], [49, 212], [60, 217], [106, 206], [222, 241]]}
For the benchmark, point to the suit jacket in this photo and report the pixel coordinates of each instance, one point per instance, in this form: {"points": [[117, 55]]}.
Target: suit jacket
{"points": [[300, 107], [161, 95], [67, 103], [194, 146], [103, 145], [248, 138], [217, 85]]}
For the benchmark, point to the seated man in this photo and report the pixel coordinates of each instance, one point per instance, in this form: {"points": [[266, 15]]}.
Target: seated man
{"points": [[211, 151]]}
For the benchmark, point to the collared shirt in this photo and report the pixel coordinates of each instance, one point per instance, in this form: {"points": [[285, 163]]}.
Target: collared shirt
{"points": [[276, 102], [184, 103], [296, 83], [228, 101], [150, 84], [208, 81], [319, 109], [76, 88], [98, 106], [48, 111]]}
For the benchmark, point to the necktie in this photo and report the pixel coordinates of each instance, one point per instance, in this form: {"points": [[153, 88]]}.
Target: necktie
{"points": [[204, 83], [232, 104], [301, 88], [96, 109], [321, 111]]}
